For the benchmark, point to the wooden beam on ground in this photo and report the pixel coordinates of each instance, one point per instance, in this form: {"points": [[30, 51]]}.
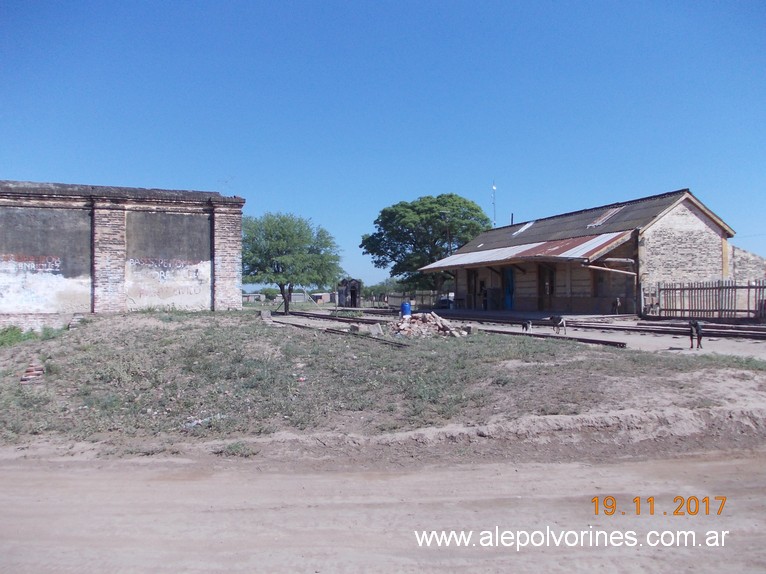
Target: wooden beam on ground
{"points": [[325, 317], [618, 344]]}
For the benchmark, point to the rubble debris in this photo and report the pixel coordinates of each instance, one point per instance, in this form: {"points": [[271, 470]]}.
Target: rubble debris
{"points": [[33, 374], [206, 422], [425, 325], [374, 330], [266, 316], [77, 319]]}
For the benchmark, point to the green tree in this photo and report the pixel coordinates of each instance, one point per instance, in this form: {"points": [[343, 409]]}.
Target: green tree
{"points": [[288, 251], [410, 235], [389, 285]]}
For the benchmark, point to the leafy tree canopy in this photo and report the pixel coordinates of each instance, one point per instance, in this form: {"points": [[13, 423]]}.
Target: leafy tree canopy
{"points": [[288, 251], [412, 234], [390, 285]]}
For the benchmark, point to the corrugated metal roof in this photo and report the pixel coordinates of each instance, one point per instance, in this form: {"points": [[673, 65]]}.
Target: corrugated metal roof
{"points": [[584, 248], [629, 215], [477, 257]]}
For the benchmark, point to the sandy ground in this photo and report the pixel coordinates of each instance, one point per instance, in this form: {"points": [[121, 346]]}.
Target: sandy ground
{"points": [[677, 344], [342, 503], [185, 515]]}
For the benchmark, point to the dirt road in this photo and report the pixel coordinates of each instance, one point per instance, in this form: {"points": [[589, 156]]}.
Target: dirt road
{"points": [[219, 515]]}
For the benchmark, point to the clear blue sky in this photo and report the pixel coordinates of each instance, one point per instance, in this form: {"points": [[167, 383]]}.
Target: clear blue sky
{"points": [[334, 110]]}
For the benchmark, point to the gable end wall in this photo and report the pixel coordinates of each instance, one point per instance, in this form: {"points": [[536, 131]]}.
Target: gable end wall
{"points": [[683, 246]]}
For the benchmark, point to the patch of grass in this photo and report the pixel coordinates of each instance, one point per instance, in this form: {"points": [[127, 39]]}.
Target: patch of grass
{"points": [[12, 335], [212, 375], [50, 333], [346, 314], [238, 449]]}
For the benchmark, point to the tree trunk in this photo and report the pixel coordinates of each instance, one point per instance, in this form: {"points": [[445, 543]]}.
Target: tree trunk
{"points": [[286, 296], [438, 280]]}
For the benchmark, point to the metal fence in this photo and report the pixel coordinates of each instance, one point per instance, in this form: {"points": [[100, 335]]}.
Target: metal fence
{"points": [[419, 299], [714, 299]]}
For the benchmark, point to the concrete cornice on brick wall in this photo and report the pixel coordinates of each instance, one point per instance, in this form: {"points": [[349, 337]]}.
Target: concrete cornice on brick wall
{"points": [[52, 192], [45, 202]]}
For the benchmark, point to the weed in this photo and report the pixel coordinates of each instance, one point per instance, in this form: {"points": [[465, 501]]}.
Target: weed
{"points": [[346, 314], [237, 449], [51, 368], [50, 333], [12, 335]]}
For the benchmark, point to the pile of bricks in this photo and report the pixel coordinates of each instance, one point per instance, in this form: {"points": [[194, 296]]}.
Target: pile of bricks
{"points": [[425, 325], [33, 374]]}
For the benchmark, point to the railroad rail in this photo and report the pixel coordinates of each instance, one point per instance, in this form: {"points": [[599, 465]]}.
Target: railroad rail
{"points": [[709, 329], [326, 317], [339, 331]]}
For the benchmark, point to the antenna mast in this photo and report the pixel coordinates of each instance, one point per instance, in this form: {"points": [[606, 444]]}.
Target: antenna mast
{"points": [[494, 207]]}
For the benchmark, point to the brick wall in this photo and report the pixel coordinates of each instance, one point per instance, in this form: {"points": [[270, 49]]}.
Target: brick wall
{"points": [[227, 258], [106, 258], [35, 321], [109, 253]]}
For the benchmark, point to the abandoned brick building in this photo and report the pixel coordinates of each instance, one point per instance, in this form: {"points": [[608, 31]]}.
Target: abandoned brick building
{"points": [[68, 249], [602, 260]]}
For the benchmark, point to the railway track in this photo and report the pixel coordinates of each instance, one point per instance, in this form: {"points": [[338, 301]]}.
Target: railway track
{"points": [[753, 332], [710, 329], [369, 321]]}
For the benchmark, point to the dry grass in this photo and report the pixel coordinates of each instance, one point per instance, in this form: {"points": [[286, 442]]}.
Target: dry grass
{"points": [[173, 375]]}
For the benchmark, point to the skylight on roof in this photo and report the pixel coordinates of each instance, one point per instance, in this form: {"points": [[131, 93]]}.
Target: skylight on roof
{"points": [[524, 228], [608, 214]]}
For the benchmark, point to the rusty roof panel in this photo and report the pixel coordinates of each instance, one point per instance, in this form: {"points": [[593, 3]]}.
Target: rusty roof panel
{"points": [[578, 247], [582, 248], [475, 258]]}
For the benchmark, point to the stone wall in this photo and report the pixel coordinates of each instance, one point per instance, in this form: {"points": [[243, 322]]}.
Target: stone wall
{"points": [[745, 266], [76, 249], [685, 245]]}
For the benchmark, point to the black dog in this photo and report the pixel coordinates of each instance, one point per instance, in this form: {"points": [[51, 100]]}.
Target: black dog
{"points": [[557, 321], [695, 331], [526, 326]]}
